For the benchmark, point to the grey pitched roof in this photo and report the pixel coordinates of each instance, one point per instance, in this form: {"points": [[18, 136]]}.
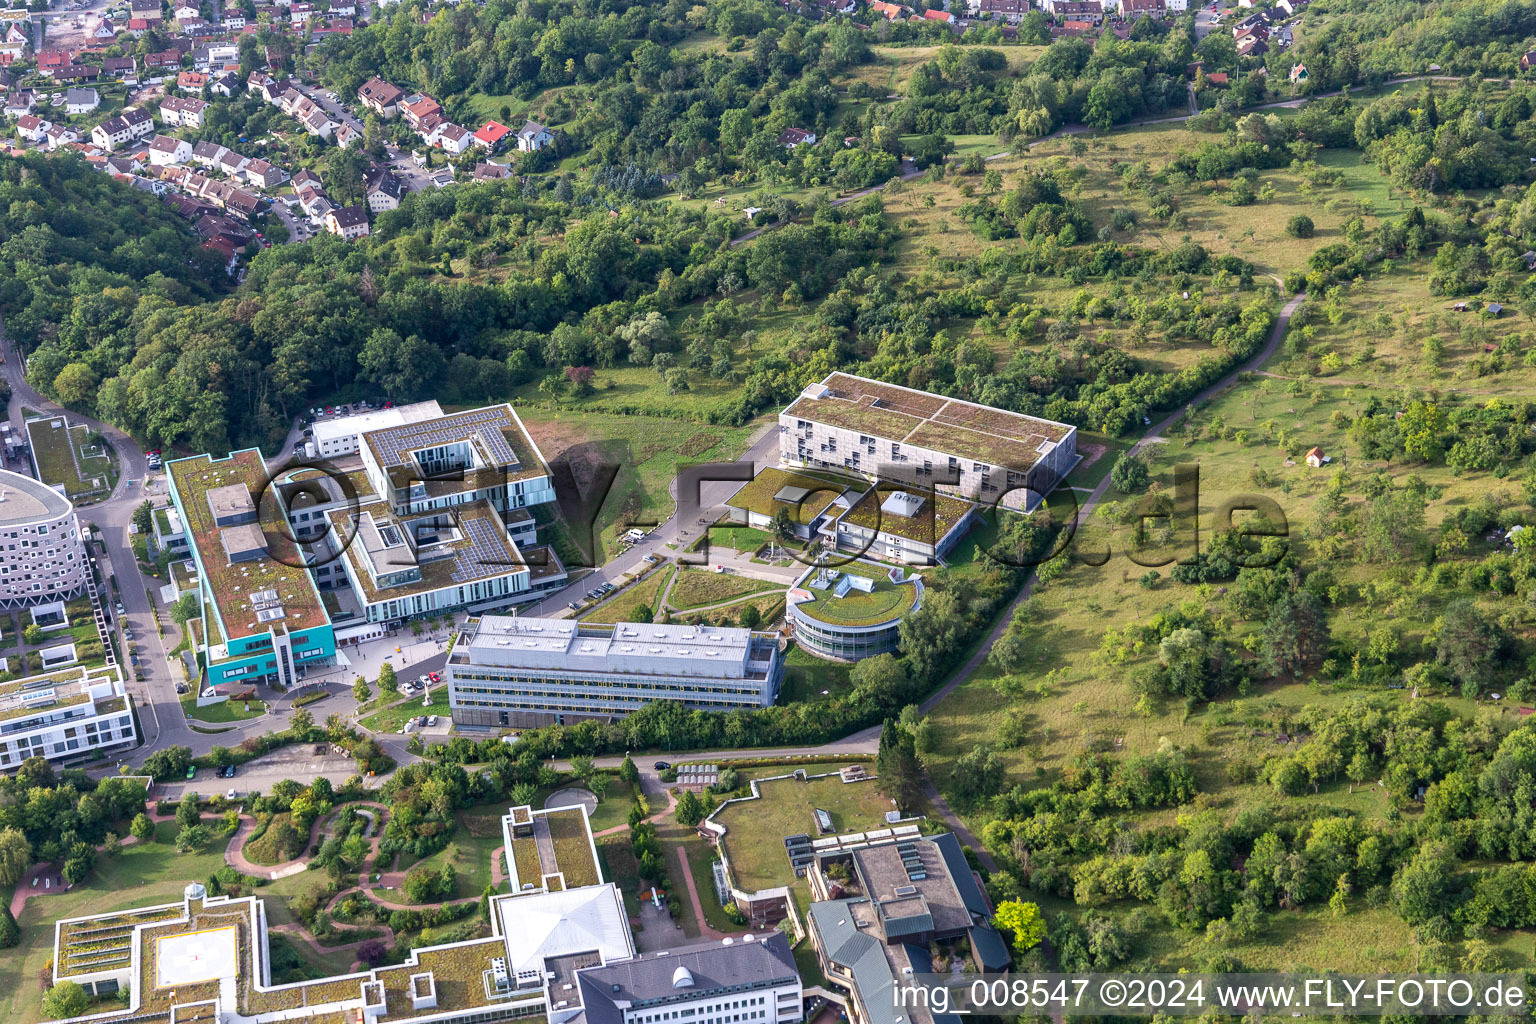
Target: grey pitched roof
{"points": [[685, 974], [863, 956], [960, 873], [988, 947]]}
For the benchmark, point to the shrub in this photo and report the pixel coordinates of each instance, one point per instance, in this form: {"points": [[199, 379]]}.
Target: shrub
{"points": [[1300, 226]]}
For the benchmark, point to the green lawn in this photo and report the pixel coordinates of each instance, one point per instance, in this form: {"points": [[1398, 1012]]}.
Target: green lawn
{"points": [[471, 850], [883, 603], [646, 451], [52, 447], [806, 676], [698, 588], [141, 875], [391, 719], [755, 829], [224, 711], [621, 606], [737, 538]]}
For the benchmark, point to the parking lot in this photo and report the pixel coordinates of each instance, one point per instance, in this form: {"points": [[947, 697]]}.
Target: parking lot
{"points": [[299, 762]]}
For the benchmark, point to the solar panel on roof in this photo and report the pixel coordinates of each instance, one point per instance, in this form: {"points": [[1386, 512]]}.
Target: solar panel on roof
{"points": [[484, 425]]}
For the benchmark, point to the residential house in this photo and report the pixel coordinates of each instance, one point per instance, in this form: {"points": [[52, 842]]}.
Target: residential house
{"points": [[1081, 10], [1316, 458], [264, 85], [50, 61], [888, 11], [206, 154], [31, 128], [299, 13], [384, 190], [81, 101], [214, 225], [77, 73], [132, 124], [314, 202], [106, 30], [332, 27], [1252, 46], [14, 40], [492, 136], [1130, 10], [181, 110], [166, 150], [191, 81], [416, 108], [1527, 60], [533, 137], [317, 123], [165, 60], [19, 103], [792, 137], [307, 179], [490, 172], [381, 97], [120, 67], [183, 12], [452, 138], [225, 84], [146, 10], [60, 135], [138, 26], [243, 204], [263, 174], [933, 14], [1011, 11], [347, 222]]}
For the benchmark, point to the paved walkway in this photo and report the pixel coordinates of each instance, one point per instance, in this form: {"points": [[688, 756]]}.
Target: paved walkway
{"points": [[42, 874], [234, 854], [705, 931]]}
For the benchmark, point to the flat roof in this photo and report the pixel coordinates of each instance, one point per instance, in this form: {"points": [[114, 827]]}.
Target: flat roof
{"points": [[25, 500], [884, 602], [375, 419], [494, 432], [949, 426], [233, 585], [624, 647], [935, 516], [482, 550], [51, 691], [806, 497]]}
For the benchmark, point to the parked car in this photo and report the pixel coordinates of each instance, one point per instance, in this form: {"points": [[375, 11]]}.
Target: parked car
{"points": [[431, 720], [661, 766], [435, 677], [192, 772], [423, 682]]}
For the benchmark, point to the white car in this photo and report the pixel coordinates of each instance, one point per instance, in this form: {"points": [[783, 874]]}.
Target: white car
{"points": [[231, 795], [431, 721]]}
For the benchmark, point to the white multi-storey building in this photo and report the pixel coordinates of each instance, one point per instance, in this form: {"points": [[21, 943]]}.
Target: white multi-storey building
{"points": [[62, 715], [343, 435], [528, 671], [42, 555], [884, 431]]}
